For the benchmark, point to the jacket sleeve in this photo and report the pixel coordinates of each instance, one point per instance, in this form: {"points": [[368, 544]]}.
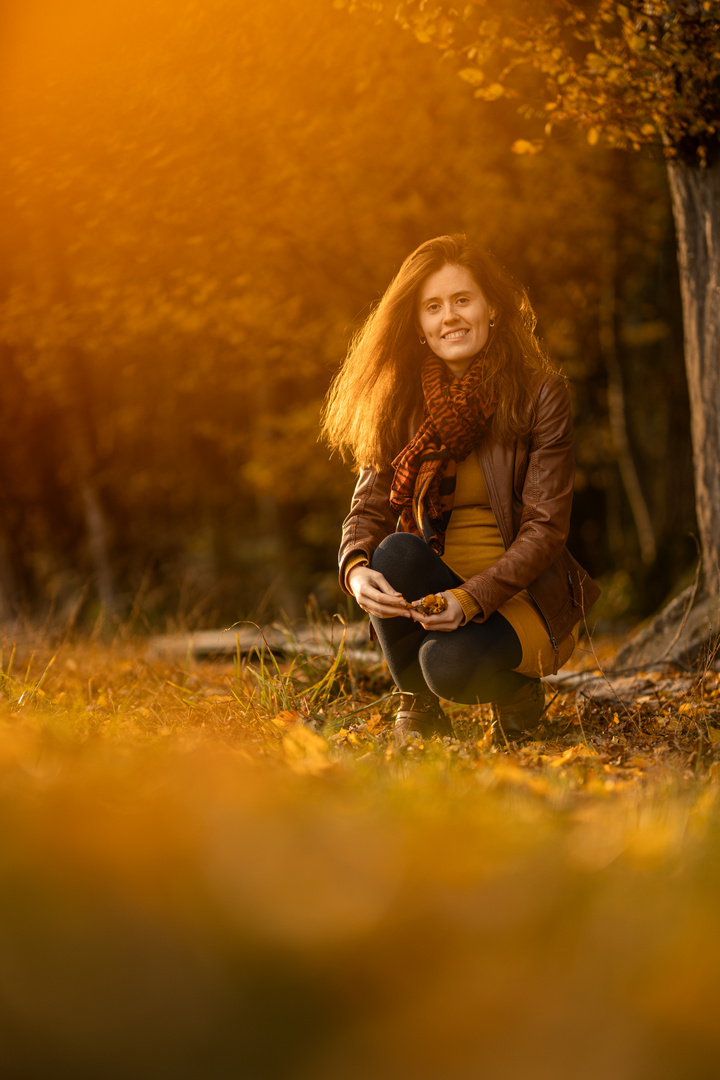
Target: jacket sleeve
{"points": [[370, 519], [535, 542]]}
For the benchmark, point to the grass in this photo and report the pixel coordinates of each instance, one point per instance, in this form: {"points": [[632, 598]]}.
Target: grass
{"points": [[228, 870]]}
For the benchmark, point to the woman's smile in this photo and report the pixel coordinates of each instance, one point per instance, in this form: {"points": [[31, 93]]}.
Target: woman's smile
{"points": [[425, 522], [454, 316]]}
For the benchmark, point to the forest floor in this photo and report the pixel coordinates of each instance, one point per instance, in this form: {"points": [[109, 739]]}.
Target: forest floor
{"points": [[228, 869]]}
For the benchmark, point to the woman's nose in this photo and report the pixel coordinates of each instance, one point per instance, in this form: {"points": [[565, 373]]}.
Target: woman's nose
{"points": [[449, 315]]}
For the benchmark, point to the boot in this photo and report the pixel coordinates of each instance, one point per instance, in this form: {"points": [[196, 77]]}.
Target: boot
{"points": [[519, 714], [421, 713]]}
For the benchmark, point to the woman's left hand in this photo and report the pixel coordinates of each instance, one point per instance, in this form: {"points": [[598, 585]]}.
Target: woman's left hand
{"points": [[449, 619]]}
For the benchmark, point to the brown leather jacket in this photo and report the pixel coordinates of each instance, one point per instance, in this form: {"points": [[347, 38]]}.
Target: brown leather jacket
{"points": [[530, 484]]}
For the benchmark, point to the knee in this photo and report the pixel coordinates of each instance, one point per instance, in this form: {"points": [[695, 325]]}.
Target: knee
{"points": [[399, 558], [439, 663], [452, 672]]}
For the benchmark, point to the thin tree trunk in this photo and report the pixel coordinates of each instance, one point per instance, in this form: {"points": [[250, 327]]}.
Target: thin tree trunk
{"points": [[696, 206], [5, 578], [618, 421], [53, 279], [269, 527], [96, 526]]}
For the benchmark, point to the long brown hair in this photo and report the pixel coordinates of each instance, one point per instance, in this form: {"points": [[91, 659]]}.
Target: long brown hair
{"points": [[368, 409]]}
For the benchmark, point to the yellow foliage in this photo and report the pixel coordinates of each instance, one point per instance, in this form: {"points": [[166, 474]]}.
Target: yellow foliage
{"points": [[525, 146], [490, 93], [188, 857], [573, 753], [305, 751], [285, 719], [471, 75]]}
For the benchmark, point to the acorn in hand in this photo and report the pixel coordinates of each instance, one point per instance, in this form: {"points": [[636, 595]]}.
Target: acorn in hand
{"points": [[432, 604]]}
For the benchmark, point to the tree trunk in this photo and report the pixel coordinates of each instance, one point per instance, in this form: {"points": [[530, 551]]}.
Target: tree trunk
{"points": [[97, 530], [618, 419], [696, 206]]}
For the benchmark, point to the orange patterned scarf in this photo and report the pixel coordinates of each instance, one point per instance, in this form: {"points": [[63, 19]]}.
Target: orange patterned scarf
{"points": [[457, 414]]}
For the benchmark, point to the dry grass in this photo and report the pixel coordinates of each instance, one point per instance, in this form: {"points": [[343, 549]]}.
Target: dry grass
{"points": [[209, 871]]}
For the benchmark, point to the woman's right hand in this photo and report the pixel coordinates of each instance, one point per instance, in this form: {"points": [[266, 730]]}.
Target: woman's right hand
{"points": [[375, 595]]}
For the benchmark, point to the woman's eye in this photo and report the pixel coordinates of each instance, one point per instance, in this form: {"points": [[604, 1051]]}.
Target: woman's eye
{"points": [[462, 299]]}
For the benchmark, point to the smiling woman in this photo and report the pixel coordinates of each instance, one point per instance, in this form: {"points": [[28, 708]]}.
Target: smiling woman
{"points": [[462, 433], [454, 317]]}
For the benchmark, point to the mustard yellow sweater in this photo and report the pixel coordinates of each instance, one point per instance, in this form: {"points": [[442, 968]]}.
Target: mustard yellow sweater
{"points": [[472, 544]]}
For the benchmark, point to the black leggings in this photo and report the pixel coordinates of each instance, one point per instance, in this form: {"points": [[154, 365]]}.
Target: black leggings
{"points": [[471, 664]]}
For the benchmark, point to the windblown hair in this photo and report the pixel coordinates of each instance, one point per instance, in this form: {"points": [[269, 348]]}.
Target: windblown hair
{"points": [[377, 390]]}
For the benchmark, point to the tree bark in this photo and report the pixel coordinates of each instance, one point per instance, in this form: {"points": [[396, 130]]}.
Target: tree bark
{"points": [[696, 207]]}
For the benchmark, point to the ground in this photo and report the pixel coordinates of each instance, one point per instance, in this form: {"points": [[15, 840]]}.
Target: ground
{"points": [[228, 869]]}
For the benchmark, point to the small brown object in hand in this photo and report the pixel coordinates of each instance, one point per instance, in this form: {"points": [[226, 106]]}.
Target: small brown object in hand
{"points": [[432, 604]]}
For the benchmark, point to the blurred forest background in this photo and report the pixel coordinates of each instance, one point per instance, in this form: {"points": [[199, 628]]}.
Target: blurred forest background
{"points": [[201, 199]]}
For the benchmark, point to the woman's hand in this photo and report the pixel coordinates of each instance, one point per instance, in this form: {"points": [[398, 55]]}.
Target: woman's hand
{"points": [[449, 619], [375, 594]]}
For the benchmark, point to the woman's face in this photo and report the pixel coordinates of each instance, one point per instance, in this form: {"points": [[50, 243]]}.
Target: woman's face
{"points": [[454, 316]]}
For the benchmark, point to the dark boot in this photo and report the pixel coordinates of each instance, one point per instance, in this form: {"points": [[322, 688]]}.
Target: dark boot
{"points": [[421, 713], [519, 714]]}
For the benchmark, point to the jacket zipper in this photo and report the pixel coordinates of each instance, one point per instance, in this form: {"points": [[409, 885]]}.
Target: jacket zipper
{"points": [[553, 642]]}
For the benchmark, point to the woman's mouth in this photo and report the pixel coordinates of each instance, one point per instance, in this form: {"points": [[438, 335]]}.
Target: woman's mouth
{"points": [[456, 335]]}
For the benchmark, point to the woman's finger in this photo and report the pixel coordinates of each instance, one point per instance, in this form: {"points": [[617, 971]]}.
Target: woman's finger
{"points": [[378, 603], [375, 594], [449, 619]]}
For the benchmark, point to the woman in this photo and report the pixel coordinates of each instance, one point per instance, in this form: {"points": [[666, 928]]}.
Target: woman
{"points": [[463, 436]]}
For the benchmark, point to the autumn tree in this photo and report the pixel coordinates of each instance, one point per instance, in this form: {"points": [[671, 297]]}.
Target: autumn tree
{"points": [[645, 73], [199, 208]]}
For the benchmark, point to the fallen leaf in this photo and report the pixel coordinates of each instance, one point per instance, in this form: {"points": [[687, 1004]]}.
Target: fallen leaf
{"points": [[574, 753], [286, 719], [304, 750]]}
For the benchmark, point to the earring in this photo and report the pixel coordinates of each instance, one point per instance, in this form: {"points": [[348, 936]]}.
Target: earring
{"points": [[422, 340], [492, 322]]}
